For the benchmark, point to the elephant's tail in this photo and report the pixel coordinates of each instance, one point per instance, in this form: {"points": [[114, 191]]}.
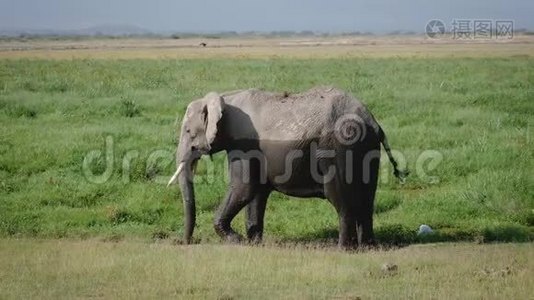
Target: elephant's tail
{"points": [[401, 175]]}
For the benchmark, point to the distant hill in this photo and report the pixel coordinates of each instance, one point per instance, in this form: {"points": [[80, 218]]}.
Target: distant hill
{"points": [[114, 30], [100, 30]]}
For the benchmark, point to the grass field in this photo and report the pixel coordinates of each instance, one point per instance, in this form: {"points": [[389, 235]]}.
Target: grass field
{"points": [[91, 269], [473, 112]]}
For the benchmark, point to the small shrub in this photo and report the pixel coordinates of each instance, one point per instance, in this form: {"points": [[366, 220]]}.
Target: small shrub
{"points": [[129, 108], [116, 215], [152, 171], [149, 215], [160, 235], [17, 111], [114, 238], [386, 204], [395, 234], [508, 233]]}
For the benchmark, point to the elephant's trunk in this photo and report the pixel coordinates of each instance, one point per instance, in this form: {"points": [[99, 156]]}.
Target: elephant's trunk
{"points": [[185, 180], [184, 175]]}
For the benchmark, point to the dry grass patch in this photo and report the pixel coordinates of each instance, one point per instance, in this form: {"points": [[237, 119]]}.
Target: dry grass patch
{"points": [[80, 269], [247, 48]]}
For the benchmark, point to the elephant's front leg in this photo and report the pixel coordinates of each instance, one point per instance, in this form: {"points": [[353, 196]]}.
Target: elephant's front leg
{"points": [[241, 192], [255, 216]]}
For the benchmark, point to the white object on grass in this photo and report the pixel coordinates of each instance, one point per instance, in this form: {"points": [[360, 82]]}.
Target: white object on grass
{"points": [[424, 229]]}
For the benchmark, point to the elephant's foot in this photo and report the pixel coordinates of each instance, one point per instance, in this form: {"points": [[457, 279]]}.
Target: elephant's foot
{"points": [[234, 238], [346, 239], [228, 234], [254, 234], [365, 237], [347, 231], [369, 243], [347, 245]]}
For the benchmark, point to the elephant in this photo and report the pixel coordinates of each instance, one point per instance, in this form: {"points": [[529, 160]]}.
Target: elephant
{"points": [[321, 143]]}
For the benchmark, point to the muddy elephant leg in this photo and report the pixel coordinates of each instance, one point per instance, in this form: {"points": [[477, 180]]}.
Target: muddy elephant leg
{"points": [[347, 229], [365, 194], [364, 217], [255, 215], [242, 191], [337, 193], [234, 202]]}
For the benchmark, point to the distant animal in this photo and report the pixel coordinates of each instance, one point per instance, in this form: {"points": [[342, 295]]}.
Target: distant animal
{"points": [[203, 44], [321, 143]]}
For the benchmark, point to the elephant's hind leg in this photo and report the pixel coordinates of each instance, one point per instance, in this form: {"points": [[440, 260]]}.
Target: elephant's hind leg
{"points": [[365, 198], [364, 214], [337, 193]]}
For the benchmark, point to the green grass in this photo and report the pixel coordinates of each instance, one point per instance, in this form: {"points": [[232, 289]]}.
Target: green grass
{"points": [[476, 112], [64, 269]]}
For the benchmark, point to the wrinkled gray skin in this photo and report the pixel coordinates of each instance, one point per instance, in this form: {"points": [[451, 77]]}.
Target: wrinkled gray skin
{"points": [[274, 125]]}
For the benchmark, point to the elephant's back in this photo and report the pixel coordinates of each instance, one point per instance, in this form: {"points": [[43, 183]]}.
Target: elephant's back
{"points": [[304, 116]]}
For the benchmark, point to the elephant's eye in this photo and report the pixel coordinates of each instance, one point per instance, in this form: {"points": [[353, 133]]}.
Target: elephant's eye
{"points": [[192, 135]]}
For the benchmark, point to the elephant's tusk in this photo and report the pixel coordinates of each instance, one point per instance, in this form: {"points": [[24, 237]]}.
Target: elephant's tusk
{"points": [[173, 178]]}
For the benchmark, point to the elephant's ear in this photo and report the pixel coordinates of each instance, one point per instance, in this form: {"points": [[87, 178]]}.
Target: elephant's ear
{"points": [[213, 110]]}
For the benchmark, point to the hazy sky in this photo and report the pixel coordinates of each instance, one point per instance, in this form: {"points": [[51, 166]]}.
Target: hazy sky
{"points": [[243, 15]]}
